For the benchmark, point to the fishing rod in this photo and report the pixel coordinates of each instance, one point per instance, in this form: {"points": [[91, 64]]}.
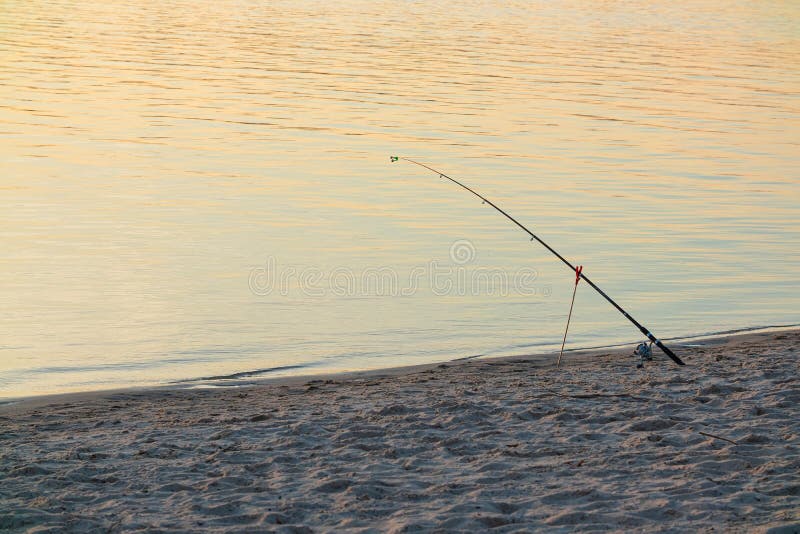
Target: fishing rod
{"points": [[578, 273]]}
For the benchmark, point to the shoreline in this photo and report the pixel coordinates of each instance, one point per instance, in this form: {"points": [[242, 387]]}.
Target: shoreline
{"points": [[542, 360], [509, 444]]}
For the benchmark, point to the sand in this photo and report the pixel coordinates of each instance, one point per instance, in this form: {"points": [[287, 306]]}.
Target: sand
{"points": [[508, 445]]}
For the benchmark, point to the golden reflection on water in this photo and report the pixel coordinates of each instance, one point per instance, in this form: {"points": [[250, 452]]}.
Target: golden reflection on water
{"points": [[155, 153]]}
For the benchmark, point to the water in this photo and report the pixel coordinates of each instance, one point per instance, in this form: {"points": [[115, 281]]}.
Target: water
{"points": [[165, 165]]}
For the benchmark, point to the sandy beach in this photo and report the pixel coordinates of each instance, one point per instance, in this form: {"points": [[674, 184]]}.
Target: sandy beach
{"points": [[508, 445]]}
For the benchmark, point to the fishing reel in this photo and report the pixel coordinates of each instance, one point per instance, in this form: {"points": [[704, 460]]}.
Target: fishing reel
{"points": [[644, 351]]}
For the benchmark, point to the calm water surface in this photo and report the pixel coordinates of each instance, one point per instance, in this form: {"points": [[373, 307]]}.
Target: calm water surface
{"points": [[197, 189]]}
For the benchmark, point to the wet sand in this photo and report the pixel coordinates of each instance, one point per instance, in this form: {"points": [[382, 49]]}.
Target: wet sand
{"points": [[510, 445]]}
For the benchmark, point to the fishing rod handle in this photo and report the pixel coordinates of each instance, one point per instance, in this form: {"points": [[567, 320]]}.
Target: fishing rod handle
{"points": [[661, 346]]}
